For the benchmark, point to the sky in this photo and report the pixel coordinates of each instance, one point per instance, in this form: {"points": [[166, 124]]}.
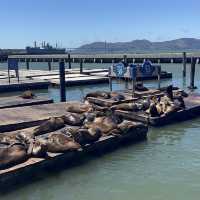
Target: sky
{"points": [[72, 23]]}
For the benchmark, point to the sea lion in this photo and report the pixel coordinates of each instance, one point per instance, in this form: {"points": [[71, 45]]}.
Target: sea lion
{"points": [[97, 94], [77, 107], [116, 96], [58, 143], [73, 119], [169, 92], [153, 112], [140, 87], [105, 124], [87, 136], [11, 155], [37, 148], [126, 107], [54, 123], [28, 95]]}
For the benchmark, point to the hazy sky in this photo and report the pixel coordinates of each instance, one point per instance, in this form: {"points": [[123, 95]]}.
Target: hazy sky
{"points": [[76, 22]]}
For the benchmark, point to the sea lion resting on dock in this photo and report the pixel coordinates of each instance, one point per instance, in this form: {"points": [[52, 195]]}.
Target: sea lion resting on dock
{"points": [[85, 136], [54, 123], [12, 154], [58, 143], [165, 105], [99, 94], [28, 95], [77, 107], [106, 124], [116, 96], [126, 107]]}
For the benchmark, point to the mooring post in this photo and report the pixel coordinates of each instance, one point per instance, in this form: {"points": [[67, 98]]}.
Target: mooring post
{"points": [[192, 73], [126, 65], [62, 81], [27, 64], [184, 64], [81, 65], [49, 65], [159, 73], [69, 61]]}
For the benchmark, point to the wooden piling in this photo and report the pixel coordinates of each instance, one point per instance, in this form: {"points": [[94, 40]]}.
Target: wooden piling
{"points": [[81, 65], [126, 64], [49, 65], [110, 83], [192, 73], [69, 61], [184, 63], [27, 64], [62, 81]]}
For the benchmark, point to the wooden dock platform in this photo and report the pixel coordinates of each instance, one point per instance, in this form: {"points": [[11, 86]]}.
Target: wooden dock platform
{"points": [[82, 80], [26, 172], [17, 101], [23, 117], [22, 85], [192, 110]]}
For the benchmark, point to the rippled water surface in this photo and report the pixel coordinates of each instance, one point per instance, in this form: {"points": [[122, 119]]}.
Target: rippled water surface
{"points": [[166, 166]]}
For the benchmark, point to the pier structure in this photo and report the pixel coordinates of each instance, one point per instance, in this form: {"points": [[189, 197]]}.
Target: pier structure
{"points": [[109, 58]]}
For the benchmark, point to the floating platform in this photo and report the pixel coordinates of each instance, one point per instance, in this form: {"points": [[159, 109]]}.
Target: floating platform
{"points": [[82, 80], [17, 101], [22, 85], [192, 110], [109, 102], [38, 167], [23, 117]]}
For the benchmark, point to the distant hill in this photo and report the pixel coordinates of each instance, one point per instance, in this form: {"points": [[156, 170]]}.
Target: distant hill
{"points": [[141, 46]]}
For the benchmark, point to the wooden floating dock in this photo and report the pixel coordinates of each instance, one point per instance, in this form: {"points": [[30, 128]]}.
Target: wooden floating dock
{"points": [[24, 172], [17, 101], [22, 85], [23, 117], [82, 80], [192, 110]]}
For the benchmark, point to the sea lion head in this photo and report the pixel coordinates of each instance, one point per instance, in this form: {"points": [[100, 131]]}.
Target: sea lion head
{"points": [[39, 147]]}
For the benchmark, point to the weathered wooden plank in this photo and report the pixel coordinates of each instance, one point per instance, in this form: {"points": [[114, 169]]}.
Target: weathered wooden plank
{"points": [[16, 101], [23, 117]]}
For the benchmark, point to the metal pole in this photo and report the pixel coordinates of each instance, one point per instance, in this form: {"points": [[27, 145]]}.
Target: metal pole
{"points": [[81, 65], [62, 81], [69, 61], [184, 63]]}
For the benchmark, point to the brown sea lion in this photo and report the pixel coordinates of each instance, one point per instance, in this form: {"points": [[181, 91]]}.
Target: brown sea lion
{"points": [[140, 87], [105, 124], [58, 143], [116, 96], [28, 95], [87, 136], [128, 127], [73, 119], [125, 107], [153, 112], [11, 155], [37, 148], [54, 123], [77, 107], [97, 94]]}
